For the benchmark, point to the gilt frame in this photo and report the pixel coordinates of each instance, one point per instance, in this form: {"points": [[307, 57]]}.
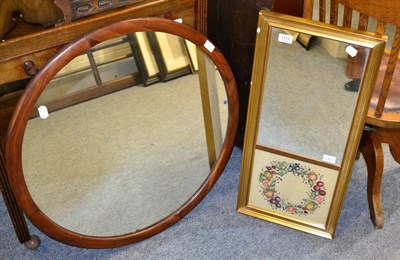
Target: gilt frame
{"points": [[267, 21]]}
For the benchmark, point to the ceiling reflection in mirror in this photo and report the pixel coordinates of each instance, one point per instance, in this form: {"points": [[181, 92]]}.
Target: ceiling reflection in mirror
{"points": [[306, 110], [123, 147]]}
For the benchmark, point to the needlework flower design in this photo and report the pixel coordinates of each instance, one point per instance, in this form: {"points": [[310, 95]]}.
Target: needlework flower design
{"points": [[272, 174]]}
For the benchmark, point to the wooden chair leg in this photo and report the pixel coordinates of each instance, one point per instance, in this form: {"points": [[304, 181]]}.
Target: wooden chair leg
{"points": [[373, 154], [395, 147]]}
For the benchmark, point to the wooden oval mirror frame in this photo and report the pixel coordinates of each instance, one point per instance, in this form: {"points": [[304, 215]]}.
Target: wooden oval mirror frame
{"points": [[36, 86]]}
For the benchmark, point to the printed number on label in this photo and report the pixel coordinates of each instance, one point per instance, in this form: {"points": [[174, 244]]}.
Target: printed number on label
{"points": [[285, 38]]}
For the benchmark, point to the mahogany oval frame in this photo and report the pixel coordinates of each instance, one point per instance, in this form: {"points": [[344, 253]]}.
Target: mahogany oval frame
{"points": [[38, 84]]}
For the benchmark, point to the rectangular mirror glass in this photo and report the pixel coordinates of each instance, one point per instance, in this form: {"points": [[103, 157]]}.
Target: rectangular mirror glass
{"points": [[305, 109], [303, 127]]}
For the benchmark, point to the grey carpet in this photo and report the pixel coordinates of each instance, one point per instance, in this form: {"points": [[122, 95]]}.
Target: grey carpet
{"points": [[214, 230]]}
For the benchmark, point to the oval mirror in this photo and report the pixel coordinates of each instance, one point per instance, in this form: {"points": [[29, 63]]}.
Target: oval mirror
{"points": [[122, 133]]}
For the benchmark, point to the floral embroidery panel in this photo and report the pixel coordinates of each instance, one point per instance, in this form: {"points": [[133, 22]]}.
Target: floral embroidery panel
{"points": [[291, 186]]}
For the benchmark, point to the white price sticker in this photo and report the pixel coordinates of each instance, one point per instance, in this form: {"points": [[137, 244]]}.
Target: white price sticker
{"points": [[179, 20], [209, 46], [329, 158], [43, 112], [351, 51], [285, 38]]}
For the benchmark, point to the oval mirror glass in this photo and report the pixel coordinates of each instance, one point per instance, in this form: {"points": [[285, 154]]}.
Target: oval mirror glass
{"points": [[122, 133]]}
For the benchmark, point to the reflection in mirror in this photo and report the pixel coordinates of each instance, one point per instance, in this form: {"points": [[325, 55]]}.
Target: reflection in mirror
{"points": [[171, 55], [144, 57], [115, 156], [306, 110]]}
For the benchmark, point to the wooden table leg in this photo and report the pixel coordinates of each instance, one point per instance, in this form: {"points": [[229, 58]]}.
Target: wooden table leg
{"points": [[16, 215], [372, 151]]}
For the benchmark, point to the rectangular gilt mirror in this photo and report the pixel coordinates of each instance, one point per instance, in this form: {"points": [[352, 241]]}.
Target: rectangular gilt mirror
{"points": [[303, 127]]}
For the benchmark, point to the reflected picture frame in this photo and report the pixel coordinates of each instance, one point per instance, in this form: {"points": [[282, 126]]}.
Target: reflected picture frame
{"points": [[192, 52], [171, 55], [145, 60], [261, 162]]}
